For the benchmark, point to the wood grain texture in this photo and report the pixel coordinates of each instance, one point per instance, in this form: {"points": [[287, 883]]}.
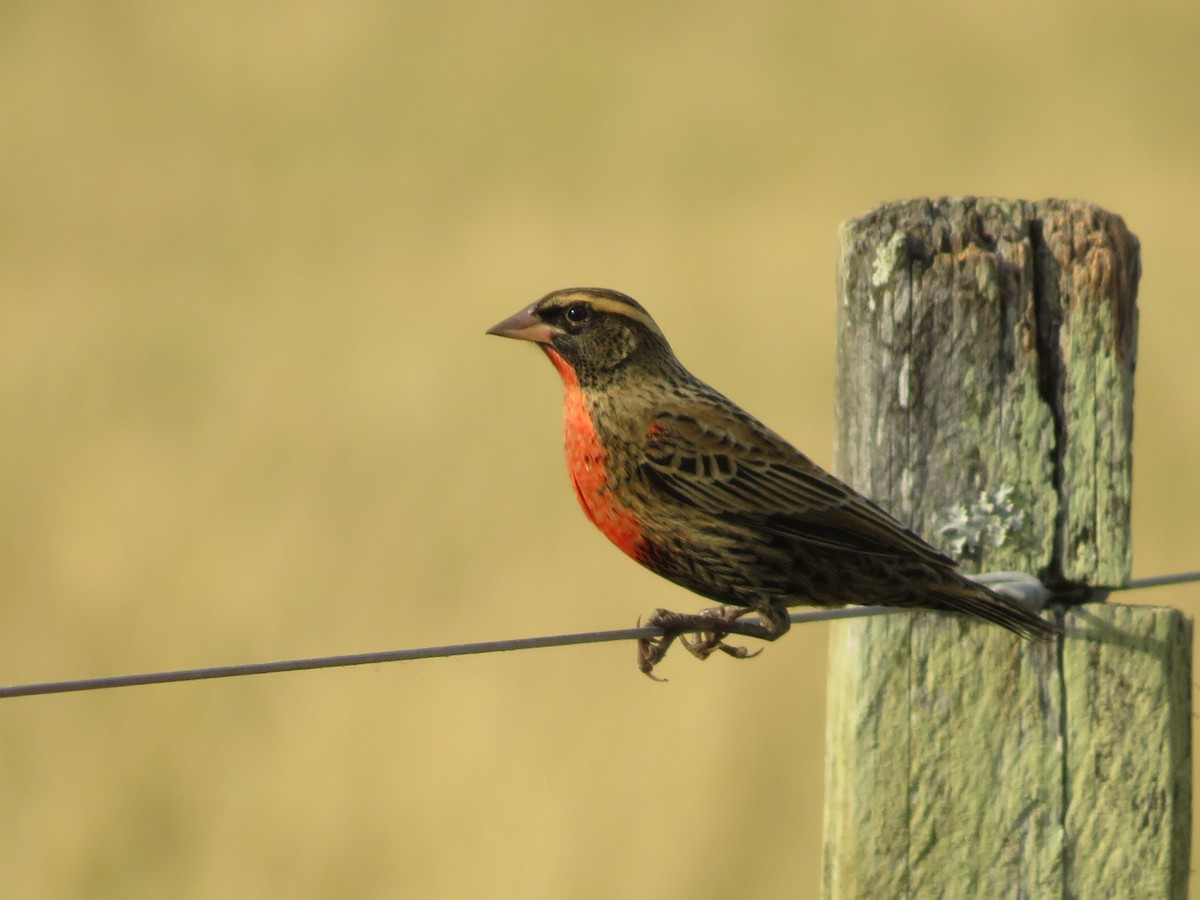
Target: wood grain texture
{"points": [[985, 385], [1127, 686]]}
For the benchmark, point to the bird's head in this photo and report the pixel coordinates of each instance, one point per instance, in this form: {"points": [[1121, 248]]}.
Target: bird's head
{"points": [[596, 332]]}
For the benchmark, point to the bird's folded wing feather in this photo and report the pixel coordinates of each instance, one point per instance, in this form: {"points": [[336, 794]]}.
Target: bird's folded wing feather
{"points": [[741, 472]]}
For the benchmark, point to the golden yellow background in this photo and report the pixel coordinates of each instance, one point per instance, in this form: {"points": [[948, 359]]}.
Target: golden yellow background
{"points": [[248, 251]]}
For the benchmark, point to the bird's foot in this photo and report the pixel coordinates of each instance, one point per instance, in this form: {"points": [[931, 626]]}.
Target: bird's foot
{"points": [[705, 642], [712, 626], [652, 650]]}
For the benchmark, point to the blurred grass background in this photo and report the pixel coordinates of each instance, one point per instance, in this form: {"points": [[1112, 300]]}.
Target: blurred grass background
{"points": [[247, 255]]}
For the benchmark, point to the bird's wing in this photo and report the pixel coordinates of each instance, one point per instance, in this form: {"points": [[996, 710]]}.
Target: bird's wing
{"points": [[740, 471]]}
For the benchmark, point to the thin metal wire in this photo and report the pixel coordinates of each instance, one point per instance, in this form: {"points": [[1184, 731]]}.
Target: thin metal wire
{"points": [[527, 643], [1158, 581], [385, 656]]}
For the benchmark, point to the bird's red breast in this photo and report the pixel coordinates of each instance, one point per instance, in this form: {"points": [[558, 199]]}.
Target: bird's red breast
{"points": [[586, 465]]}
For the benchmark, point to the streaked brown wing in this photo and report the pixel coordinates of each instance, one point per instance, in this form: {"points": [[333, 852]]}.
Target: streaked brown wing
{"points": [[742, 472]]}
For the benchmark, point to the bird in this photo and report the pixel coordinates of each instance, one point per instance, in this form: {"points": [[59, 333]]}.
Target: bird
{"points": [[694, 488]]}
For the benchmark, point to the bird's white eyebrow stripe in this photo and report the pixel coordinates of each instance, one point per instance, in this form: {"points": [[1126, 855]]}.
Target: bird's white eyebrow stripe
{"points": [[619, 308]]}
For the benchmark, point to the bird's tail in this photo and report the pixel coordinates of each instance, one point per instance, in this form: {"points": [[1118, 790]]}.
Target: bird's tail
{"points": [[966, 596]]}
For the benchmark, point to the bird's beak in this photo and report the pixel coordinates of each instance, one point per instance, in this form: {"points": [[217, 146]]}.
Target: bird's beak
{"points": [[525, 326]]}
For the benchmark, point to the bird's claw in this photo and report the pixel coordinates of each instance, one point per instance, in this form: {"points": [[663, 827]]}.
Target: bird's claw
{"points": [[648, 657], [652, 650], [708, 641], [739, 652]]}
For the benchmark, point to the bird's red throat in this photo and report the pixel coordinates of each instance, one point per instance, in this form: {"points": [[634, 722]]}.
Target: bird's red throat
{"points": [[586, 466]]}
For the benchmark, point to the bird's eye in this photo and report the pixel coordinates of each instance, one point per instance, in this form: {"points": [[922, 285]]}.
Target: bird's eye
{"points": [[577, 313]]}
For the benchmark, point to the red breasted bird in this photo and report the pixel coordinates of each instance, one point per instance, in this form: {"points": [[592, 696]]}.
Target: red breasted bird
{"points": [[694, 488]]}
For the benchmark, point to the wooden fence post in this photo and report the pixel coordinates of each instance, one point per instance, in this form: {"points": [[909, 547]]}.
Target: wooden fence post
{"points": [[985, 388]]}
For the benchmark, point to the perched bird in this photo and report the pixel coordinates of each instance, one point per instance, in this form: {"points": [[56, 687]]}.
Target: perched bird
{"points": [[694, 488]]}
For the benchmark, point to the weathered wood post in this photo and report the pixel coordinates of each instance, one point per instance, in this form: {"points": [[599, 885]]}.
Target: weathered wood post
{"points": [[985, 388]]}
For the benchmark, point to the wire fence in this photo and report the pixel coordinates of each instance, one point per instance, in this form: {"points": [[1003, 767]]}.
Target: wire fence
{"points": [[1022, 587]]}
